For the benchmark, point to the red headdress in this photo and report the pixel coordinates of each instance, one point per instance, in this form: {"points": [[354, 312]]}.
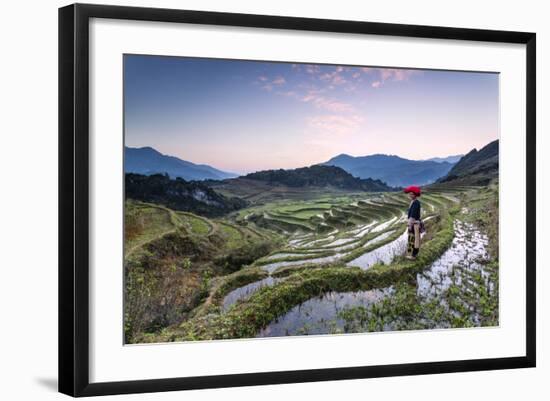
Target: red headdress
{"points": [[414, 189]]}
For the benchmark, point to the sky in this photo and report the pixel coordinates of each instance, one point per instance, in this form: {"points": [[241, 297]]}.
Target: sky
{"points": [[243, 116]]}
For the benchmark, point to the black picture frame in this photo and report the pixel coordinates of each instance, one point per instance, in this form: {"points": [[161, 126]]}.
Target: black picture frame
{"points": [[74, 200]]}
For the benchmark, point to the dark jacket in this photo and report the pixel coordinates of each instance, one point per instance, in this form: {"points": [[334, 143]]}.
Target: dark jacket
{"points": [[414, 210]]}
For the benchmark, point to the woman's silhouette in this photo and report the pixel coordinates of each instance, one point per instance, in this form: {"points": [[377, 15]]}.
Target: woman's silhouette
{"points": [[413, 222]]}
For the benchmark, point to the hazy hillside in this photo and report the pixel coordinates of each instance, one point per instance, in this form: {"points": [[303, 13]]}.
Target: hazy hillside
{"points": [[393, 170], [477, 167], [179, 194], [448, 159], [318, 176], [149, 161]]}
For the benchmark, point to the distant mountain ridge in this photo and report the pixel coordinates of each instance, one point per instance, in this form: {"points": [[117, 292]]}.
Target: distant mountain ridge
{"points": [[448, 159], [318, 176], [391, 169], [148, 161], [477, 166]]}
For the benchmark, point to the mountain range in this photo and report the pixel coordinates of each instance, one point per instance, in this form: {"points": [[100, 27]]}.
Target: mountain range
{"points": [[208, 191], [149, 161], [477, 167], [448, 159], [384, 171], [393, 170]]}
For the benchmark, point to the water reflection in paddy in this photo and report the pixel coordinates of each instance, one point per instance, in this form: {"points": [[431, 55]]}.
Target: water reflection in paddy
{"points": [[320, 315], [466, 256], [246, 291], [467, 249], [385, 254]]}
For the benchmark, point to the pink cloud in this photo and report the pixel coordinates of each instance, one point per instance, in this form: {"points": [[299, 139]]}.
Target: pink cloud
{"points": [[338, 80], [335, 124], [393, 75], [278, 81], [288, 94], [335, 106], [323, 102], [312, 69], [386, 74], [396, 74]]}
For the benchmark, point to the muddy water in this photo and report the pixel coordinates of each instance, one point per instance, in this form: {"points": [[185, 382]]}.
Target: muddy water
{"points": [[320, 315]]}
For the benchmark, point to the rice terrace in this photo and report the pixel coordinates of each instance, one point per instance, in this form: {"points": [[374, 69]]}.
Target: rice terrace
{"points": [[331, 262], [288, 250]]}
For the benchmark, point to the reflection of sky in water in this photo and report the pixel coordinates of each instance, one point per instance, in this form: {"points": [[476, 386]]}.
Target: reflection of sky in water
{"points": [[246, 291], [468, 246], [270, 268], [363, 230], [383, 226], [320, 315], [384, 254], [293, 255], [340, 241]]}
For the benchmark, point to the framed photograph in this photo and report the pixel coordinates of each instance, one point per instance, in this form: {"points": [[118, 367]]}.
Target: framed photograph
{"points": [[251, 199]]}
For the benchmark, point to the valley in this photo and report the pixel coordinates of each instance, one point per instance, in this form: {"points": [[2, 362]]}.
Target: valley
{"points": [[310, 260]]}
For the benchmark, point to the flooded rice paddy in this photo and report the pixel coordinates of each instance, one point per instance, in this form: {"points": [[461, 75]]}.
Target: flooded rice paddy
{"points": [[321, 315], [245, 292], [384, 254], [446, 294]]}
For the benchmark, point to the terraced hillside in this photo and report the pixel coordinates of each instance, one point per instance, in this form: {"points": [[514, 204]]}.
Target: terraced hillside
{"points": [[328, 264]]}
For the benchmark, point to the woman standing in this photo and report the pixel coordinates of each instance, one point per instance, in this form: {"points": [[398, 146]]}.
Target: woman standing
{"points": [[413, 243]]}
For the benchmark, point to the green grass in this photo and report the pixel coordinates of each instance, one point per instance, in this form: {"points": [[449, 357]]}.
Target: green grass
{"points": [[290, 221], [231, 234], [196, 225], [483, 211], [143, 224]]}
